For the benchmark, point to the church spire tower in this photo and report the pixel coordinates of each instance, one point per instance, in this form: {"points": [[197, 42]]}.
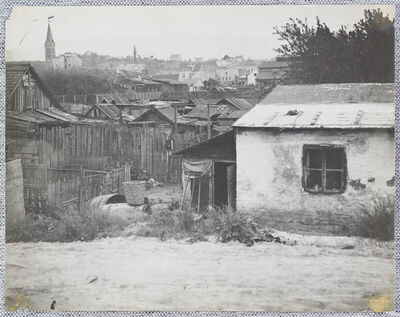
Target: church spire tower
{"points": [[49, 45]]}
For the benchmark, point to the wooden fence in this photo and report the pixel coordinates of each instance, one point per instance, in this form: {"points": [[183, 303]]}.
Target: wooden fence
{"points": [[62, 187], [105, 146]]}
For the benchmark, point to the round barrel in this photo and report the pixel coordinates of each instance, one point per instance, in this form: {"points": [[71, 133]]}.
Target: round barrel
{"points": [[99, 201]]}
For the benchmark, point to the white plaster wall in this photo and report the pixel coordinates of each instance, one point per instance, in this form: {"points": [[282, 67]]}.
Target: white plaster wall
{"points": [[269, 169]]}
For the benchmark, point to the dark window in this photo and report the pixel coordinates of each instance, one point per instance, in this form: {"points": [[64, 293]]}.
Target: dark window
{"points": [[324, 169]]}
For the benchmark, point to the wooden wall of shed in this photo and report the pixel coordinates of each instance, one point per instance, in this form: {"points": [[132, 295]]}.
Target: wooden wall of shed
{"points": [[26, 98], [105, 146]]}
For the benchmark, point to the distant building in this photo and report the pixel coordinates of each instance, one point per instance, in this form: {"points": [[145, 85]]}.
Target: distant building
{"points": [[226, 76], [272, 73], [175, 58], [67, 61], [49, 46]]}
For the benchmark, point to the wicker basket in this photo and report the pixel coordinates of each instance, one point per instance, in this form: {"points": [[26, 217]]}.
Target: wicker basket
{"points": [[134, 192]]}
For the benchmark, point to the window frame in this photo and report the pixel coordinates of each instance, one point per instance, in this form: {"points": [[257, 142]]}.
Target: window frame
{"points": [[305, 166]]}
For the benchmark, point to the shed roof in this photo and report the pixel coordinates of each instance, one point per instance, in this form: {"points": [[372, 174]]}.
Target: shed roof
{"points": [[200, 111], [111, 111], [169, 113], [220, 139], [204, 101], [331, 93], [346, 106]]}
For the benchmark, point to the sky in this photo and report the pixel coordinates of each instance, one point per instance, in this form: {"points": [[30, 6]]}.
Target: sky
{"points": [[192, 31]]}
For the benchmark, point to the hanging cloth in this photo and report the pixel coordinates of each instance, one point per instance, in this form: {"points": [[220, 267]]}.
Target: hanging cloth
{"points": [[197, 166]]}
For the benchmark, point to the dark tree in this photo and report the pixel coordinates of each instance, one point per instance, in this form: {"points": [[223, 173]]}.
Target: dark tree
{"points": [[364, 53], [80, 81]]}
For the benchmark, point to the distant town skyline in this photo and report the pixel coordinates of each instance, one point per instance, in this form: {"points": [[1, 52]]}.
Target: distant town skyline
{"points": [[191, 31]]}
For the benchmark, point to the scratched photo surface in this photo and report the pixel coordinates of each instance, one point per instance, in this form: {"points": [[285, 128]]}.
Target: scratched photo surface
{"points": [[200, 158]]}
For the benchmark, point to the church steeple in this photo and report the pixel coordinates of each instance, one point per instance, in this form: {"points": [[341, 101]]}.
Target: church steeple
{"points": [[134, 55], [49, 45]]}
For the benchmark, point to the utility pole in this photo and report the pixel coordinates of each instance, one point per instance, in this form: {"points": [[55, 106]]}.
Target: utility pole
{"points": [[208, 122], [175, 121]]}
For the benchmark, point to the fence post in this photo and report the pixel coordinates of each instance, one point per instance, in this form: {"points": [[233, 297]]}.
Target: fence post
{"points": [[127, 172], [81, 189]]}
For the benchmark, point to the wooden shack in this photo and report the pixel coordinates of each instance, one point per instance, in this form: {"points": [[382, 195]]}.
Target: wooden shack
{"points": [[25, 90], [209, 172]]}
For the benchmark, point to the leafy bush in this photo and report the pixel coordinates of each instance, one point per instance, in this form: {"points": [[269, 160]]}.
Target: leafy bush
{"points": [[376, 218]]}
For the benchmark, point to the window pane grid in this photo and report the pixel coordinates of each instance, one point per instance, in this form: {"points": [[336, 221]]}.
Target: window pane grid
{"points": [[320, 178]]}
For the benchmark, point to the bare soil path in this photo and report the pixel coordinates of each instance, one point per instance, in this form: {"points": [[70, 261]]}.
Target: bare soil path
{"points": [[148, 274]]}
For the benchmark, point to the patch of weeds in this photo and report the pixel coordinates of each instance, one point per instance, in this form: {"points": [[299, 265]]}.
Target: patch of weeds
{"points": [[376, 218]]}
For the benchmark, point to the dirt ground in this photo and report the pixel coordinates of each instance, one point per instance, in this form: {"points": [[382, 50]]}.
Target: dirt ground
{"points": [[134, 273]]}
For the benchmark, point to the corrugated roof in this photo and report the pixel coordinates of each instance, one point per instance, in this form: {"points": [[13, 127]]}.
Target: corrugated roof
{"points": [[320, 116], [238, 103], [324, 106]]}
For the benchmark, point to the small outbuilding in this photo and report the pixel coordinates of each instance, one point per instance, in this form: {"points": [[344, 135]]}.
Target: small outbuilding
{"points": [[209, 172], [314, 152]]}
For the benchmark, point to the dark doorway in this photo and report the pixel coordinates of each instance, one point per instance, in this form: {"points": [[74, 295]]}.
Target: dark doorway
{"points": [[200, 192], [225, 184]]}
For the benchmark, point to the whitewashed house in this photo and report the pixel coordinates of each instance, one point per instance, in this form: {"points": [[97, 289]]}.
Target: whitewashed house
{"points": [[316, 151]]}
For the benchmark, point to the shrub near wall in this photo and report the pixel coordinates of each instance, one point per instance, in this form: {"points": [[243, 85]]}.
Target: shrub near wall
{"points": [[376, 218]]}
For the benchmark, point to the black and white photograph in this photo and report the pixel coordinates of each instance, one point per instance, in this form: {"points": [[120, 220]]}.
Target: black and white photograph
{"points": [[200, 158]]}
